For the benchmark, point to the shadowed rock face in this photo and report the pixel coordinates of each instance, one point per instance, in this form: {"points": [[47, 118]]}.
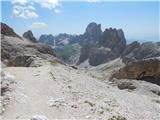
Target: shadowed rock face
{"points": [[113, 39], [100, 47], [6, 30], [148, 70], [100, 56], [93, 33], [29, 35], [85, 52]]}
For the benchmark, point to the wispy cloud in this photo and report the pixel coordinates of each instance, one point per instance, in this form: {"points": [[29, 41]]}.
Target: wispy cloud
{"points": [[25, 8], [38, 25], [50, 4]]}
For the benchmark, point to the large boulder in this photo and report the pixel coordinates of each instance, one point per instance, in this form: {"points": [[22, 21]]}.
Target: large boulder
{"points": [[29, 35], [148, 70]]}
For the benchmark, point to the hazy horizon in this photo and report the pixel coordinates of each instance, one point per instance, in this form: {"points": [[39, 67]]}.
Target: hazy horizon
{"points": [[139, 20]]}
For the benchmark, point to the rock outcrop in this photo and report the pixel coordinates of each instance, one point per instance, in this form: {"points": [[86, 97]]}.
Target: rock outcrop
{"points": [[135, 51], [85, 53], [114, 39], [148, 70], [29, 35], [6, 30], [100, 56], [100, 47], [92, 34], [18, 52]]}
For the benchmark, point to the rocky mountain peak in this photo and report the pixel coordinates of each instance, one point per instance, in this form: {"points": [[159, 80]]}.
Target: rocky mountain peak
{"points": [[29, 35], [114, 39], [8, 31], [93, 32], [93, 27]]}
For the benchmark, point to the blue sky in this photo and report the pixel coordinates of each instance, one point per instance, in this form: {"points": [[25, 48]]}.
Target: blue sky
{"points": [[139, 20]]}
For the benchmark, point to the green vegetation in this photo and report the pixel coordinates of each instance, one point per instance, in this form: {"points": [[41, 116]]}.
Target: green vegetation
{"points": [[67, 51]]}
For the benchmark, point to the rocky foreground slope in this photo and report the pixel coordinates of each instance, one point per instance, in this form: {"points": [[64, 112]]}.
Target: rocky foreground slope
{"points": [[60, 92]]}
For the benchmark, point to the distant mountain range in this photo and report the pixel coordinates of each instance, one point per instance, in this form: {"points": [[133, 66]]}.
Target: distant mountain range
{"points": [[99, 46]]}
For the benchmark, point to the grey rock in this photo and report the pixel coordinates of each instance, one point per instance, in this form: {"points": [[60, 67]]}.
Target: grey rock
{"points": [[126, 85], [85, 53], [114, 39], [24, 61], [6, 30], [135, 51], [100, 56], [100, 47], [93, 33], [18, 52], [6, 81], [29, 35]]}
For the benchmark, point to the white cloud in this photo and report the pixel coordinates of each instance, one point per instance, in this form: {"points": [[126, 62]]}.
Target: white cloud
{"points": [[38, 25], [50, 4], [25, 8], [57, 11]]}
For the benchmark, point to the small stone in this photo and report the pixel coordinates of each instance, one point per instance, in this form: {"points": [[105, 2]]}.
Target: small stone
{"points": [[90, 103]]}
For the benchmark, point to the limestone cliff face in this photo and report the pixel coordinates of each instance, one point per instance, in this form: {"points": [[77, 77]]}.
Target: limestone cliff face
{"points": [[113, 39], [100, 47], [92, 34]]}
